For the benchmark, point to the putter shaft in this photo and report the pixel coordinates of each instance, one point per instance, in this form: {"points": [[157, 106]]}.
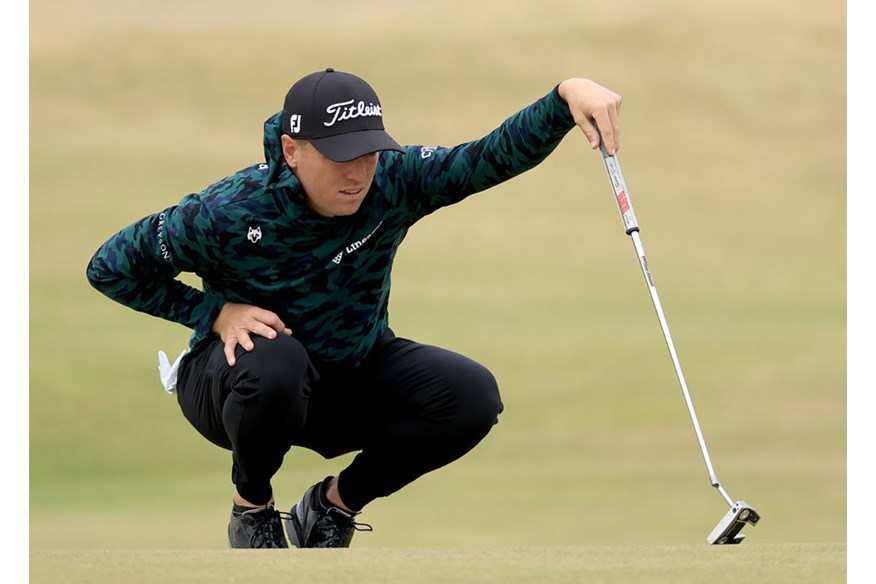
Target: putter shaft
{"points": [[728, 529], [625, 205]]}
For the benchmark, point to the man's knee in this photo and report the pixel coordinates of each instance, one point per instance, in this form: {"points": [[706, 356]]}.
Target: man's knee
{"points": [[270, 390], [275, 370], [478, 402], [486, 401]]}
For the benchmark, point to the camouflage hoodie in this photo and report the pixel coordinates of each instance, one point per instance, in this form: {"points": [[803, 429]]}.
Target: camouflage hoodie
{"points": [[252, 239]]}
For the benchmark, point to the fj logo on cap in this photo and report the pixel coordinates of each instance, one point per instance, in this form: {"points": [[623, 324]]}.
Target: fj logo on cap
{"points": [[347, 110], [294, 123]]}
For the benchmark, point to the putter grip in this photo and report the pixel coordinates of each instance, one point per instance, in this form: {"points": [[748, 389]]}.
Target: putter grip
{"points": [[619, 186]]}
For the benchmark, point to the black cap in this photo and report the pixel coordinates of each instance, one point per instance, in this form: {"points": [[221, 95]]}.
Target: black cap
{"points": [[338, 113]]}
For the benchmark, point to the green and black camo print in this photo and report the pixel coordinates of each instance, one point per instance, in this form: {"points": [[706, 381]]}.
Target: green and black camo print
{"points": [[251, 238]]}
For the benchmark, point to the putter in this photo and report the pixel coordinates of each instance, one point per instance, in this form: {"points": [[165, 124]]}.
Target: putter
{"points": [[728, 529]]}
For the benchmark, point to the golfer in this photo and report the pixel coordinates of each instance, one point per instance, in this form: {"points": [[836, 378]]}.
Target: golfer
{"points": [[291, 343]]}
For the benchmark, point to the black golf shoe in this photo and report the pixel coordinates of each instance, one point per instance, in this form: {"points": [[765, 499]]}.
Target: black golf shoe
{"points": [[259, 528], [310, 524]]}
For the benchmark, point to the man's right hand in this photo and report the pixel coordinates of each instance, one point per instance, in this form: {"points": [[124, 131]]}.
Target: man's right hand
{"points": [[236, 322], [593, 106]]}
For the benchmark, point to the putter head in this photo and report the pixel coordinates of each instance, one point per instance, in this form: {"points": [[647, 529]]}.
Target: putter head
{"points": [[727, 530]]}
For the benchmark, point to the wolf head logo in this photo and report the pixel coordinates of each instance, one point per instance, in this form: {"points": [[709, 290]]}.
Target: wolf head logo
{"points": [[254, 234]]}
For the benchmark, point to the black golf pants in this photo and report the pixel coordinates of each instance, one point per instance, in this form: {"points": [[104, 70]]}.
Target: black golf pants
{"points": [[408, 409]]}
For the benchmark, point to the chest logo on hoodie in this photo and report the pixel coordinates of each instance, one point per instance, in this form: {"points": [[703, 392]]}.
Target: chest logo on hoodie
{"points": [[355, 245], [254, 234]]}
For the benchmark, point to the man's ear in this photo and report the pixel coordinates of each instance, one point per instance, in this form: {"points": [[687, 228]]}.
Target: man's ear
{"points": [[290, 151]]}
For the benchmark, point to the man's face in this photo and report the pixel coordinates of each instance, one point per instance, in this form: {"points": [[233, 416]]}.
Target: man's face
{"points": [[332, 188]]}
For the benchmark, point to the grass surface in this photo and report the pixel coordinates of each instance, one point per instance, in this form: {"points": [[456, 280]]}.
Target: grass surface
{"points": [[734, 152], [758, 563]]}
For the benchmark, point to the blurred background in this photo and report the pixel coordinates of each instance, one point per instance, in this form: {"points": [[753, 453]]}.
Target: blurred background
{"points": [[734, 134]]}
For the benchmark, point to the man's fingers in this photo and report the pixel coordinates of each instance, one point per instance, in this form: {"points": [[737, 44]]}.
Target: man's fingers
{"points": [[609, 130], [265, 330], [237, 322], [594, 106], [244, 341], [608, 133], [230, 345], [274, 322], [589, 131], [606, 119], [612, 123]]}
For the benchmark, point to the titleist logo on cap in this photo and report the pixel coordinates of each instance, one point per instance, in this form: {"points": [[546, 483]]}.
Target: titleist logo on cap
{"points": [[348, 110], [338, 113]]}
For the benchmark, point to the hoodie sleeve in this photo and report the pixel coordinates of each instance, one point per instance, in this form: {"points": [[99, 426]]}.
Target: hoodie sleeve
{"points": [[137, 267], [433, 177]]}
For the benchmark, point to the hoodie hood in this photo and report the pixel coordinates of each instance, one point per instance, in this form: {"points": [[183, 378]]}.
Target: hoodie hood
{"points": [[279, 174]]}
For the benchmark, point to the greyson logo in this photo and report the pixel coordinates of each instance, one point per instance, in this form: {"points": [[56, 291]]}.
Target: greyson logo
{"points": [[162, 244], [254, 234], [347, 110]]}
